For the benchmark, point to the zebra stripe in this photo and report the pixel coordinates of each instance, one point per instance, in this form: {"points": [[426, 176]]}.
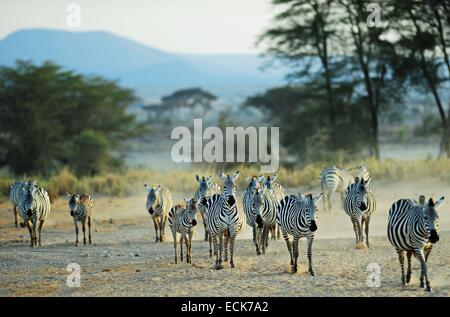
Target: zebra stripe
{"points": [[159, 202], [359, 205], [81, 206], [250, 215], [297, 217], [223, 219], [183, 220], [264, 205], [15, 194], [334, 179], [206, 188], [277, 191], [413, 228], [34, 207]]}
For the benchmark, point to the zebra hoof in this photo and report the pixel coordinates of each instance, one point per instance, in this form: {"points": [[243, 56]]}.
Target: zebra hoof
{"points": [[311, 272], [219, 267], [428, 289], [232, 265], [359, 246], [422, 285], [258, 252], [294, 270]]}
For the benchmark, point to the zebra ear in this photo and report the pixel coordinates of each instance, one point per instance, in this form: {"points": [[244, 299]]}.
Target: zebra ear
{"points": [[274, 178], [317, 198], [185, 200], [157, 189], [68, 195], [261, 178], [235, 176], [439, 202], [197, 178], [356, 179], [209, 179]]}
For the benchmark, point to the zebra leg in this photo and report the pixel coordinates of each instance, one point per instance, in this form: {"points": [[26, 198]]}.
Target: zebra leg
{"points": [[15, 216], [265, 232], [41, 224], [186, 242], [181, 247], [34, 234], [266, 237], [423, 271], [325, 200], [76, 232], [31, 232], [175, 243], [190, 247], [310, 243], [204, 225], [89, 228], [355, 229], [155, 224], [329, 200], [401, 259], [427, 252], [408, 271], [254, 234], [232, 239], [289, 247], [367, 232], [218, 251], [295, 243], [83, 227], [162, 225], [257, 238], [278, 232], [210, 246], [227, 240]]}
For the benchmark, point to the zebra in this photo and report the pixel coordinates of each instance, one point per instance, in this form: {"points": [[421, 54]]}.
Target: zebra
{"points": [[334, 179], [15, 195], [277, 191], [206, 188], [297, 216], [359, 205], [264, 205], [183, 220], [159, 202], [81, 206], [413, 228], [34, 208], [250, 215], [223, 218]]}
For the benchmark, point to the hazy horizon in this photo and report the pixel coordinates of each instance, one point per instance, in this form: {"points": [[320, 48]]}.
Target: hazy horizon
{"points": [[233, 26]]}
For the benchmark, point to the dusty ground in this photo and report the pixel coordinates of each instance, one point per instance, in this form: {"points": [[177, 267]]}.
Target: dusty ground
{"points": [[125, 261]]}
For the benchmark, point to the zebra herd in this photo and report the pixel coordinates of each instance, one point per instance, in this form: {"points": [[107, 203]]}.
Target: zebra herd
{"points": [[412, 225]]}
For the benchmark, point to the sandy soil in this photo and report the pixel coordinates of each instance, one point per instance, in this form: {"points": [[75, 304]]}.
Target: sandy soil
{"points": [[125, 261]]}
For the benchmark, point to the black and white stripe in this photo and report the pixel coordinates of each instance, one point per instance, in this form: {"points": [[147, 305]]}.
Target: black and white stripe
{"points": [[81, 206], [297, 217], [34, 208], [276, 191], [250, 215], [413, 228], [15, 194], [206, 188], [183, 220], [265, 206], [334, 179], [359, 205], [223, 219], [159, 202]]}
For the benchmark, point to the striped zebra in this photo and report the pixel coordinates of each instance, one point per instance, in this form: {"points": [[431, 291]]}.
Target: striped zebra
{"points": [[276, 190], [34, 208], [297, 217], [183, 220], [334, 179], [81, 206], [206, 188], [359, 205], [250, 215], [413, 228], [159, 202], [223, 219], [264, 205], [15, 195]]}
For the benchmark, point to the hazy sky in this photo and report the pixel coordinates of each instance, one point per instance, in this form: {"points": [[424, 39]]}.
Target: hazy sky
{"points": [[191, 26]]}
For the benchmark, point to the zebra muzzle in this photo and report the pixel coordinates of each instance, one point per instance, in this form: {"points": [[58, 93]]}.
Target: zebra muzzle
{"points": [[259, 220], [151, 211], [194, 223], [313, 226], [363, 206], [434, 237]]}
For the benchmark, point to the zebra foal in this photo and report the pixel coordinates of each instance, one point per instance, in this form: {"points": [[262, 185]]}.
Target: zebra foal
{"points": [[81, 206]]}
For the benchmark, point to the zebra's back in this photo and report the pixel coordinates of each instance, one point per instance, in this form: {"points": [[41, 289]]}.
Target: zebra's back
{"points": [[335, 179]]}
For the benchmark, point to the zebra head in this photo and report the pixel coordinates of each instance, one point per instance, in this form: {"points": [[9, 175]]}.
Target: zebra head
{"points": [[204, 185], [361, 191], [310, 202], [29, 199], [152, 198], [74, 201], [253, 184], [431, 218], [267, 182], [257, 204], [191, 209], [229, 187]]}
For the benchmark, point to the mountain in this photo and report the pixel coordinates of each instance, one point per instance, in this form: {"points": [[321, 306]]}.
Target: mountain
{"points": [[132, 63]]}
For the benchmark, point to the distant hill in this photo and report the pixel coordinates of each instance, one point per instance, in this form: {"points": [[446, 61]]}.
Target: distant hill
{"points": [[132, 63]]}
